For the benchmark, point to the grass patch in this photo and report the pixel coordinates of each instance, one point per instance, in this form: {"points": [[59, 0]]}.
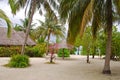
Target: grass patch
{"points": [[50, 63]]}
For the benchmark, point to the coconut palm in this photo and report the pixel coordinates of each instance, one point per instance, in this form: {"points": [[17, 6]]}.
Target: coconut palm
{"points": [[24, 25], [34, 4], [9, 24], [50, 28], [80, 13]]}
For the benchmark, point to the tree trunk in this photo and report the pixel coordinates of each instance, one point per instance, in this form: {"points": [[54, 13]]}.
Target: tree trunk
{"points": [[106, 69], [88, 61], [63, 55], [47, 50], [51, 58], [29, 24], [94, 52]]}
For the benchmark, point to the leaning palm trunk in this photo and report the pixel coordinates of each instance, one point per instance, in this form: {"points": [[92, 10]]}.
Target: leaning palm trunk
{"points": [[106, 69], [29, 24], [47, 50]]}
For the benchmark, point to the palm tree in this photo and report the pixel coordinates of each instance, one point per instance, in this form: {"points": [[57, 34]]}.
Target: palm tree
{"points": [[9, 24], [24, 25], [50, 28], [80, 13], [16, 5]]}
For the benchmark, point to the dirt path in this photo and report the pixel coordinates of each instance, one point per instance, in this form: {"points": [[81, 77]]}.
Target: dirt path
{"points": [[74, 68]]}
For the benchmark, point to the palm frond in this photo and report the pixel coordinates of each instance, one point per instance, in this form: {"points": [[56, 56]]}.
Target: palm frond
{"points": [[54, 4], [117, 6], [9, 24], [86, 17], [75, 19], [50, 13], [16, 5]]}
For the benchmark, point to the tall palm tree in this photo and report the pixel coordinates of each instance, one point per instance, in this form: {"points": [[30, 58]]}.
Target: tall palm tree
{"points": [[16, 5], [80, 13], [50, 28], [9, 24]]}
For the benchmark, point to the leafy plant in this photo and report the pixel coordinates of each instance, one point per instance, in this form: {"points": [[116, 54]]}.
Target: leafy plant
{"points": [[19, 61], [36, 51], [9, 51], [65, 51]]}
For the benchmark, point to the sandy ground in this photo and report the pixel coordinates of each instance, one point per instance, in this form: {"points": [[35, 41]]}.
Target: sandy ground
{"points": [[74, 68]]}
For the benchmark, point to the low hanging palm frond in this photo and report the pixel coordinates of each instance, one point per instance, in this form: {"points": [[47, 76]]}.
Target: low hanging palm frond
{"points": [[116, 15], [9, 24], [98, 20], [74, 21], [117, 6], [65, 8], [86, 17]]}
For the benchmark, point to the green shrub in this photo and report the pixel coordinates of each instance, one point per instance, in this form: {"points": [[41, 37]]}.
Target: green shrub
{"points": [[36, 51], [19, 61], [9, 51], [66, 52]]}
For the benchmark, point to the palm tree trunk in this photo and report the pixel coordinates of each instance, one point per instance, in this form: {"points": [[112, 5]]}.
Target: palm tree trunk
{"points": [[94, 51], [47, 50], [63, 54], [106, 69], [88, 60], [29, 24]]}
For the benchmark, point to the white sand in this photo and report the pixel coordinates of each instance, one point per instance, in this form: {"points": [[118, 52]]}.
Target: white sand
{"points": [[74, 68]]}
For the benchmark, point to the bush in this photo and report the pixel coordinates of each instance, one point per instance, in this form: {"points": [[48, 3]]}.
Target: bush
{"points": [[36, 51], [19, 61], [9, 51], [66, 52]]}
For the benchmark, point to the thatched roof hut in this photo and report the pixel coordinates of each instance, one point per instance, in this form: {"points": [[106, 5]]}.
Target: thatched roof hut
{"points": [[29, 40], [16, 39]]}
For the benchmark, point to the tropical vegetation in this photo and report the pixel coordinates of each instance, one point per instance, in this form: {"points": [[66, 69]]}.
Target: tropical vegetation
{"points": [[34, 5], [63, 53], [80, 13], [90, 25]]}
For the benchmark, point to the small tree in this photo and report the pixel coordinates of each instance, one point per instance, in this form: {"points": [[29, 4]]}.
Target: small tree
{"points": [[87, 42]]}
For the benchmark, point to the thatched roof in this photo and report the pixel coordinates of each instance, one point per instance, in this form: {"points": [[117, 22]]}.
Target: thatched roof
{"points": [[15, 40], [29, 40]]}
